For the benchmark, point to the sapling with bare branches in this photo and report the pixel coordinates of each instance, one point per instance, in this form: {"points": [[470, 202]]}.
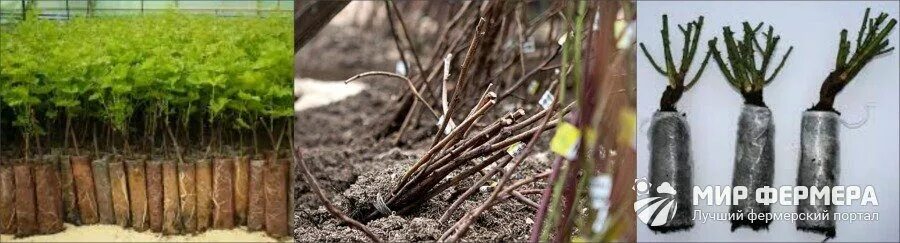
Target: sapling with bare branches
{"points": [[819, 143], [481, 116], [670, 158], [754, 154]]}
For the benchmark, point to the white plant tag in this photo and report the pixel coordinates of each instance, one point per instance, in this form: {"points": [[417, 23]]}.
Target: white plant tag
{"points": [[573, 151], [514, 149], [600, 222], [600, 188], [546, 100], [528, 46], [447, 61], [449, 128], [400, 67]]}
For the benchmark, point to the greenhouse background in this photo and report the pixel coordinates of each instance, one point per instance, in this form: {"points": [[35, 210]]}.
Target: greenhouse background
{"points": [[12, 10]]}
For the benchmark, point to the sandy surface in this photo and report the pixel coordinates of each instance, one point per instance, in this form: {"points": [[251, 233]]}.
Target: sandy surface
{"points": [[111, 233], [314, 93]]}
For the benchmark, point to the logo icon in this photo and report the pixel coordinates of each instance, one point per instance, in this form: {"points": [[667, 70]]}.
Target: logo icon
{"points": [[655, 211]]}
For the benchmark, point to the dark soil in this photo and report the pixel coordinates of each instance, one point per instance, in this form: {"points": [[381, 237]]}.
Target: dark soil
{"points": [[338, 52], [354, 168]]}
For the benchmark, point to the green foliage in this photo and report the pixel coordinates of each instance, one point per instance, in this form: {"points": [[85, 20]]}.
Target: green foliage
{"points": [[228, 70], [745, 74], [677, 74], [871, 41]]}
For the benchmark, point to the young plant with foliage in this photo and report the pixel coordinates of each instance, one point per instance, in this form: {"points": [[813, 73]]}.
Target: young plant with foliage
{"points": [[677, 75], [754, 162], [127, 80], [745, 74], [871, 41], [820, 126]]}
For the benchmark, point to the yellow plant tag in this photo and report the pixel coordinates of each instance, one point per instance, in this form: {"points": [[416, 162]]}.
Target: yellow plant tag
{"points": [[514, 149], [565, 141], [590, 135], [627, 127]]}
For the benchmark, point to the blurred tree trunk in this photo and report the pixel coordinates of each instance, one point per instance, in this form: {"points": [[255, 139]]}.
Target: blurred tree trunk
{"points": [[311, 17]]}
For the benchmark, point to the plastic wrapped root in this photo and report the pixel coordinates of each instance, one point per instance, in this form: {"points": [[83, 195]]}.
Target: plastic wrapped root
{"points": [[7, 199], [187, 191], [256, 208], [819, 166], [671, 168], [49, 204], [84, 189], [204, 194], [171, 205], [137, 192], [103, 191], [223, 193], [154, 195], [118, 189], [753, 164], [26, 215]]}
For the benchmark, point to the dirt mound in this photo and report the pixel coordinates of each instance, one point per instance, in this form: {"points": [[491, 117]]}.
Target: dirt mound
{"points": [[354, 168]]}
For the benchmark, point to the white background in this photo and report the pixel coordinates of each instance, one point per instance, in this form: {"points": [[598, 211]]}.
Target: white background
{"points": [[869, 154]]}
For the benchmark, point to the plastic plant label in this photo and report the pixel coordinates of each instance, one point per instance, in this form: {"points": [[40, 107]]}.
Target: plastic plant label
{"points": [[565, 141], [447, 61], [449, 128], [599, 192], [533, 87], [546, 100], [528, 46], [514, 149], [400, 67]]}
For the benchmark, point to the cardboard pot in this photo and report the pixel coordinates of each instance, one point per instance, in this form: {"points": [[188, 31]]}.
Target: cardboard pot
{"points": [[241, 188], [103, 190], [256, 196], [137, 192], [223, 193], [155, 195], [276, 185], [67, 186], [84, 189], [204, 194], [171, 205], [121, 203], [49, 203], [26, 218], [187, 191], [7, 199]]}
